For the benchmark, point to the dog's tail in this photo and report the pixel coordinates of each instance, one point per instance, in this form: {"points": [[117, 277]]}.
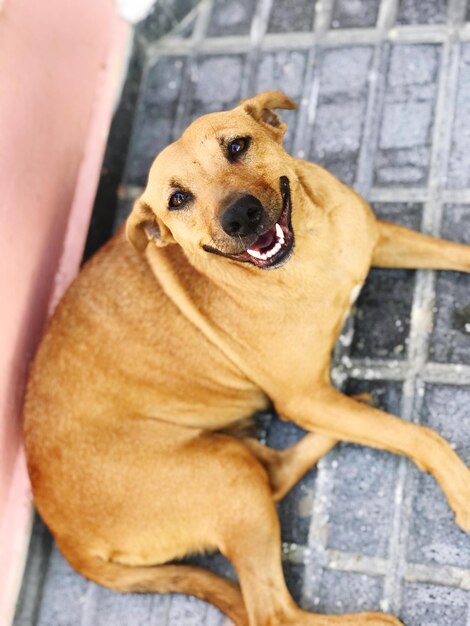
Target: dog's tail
{"points": [[185, 579]]}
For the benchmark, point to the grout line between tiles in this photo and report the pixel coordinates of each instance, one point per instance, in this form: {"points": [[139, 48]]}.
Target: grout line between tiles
{"points": [[257, 33], [260, 22], [435, 373], [397, 194], [323, 17], [168, 601], [344, 561], [198, 35], [309, 101], [316, 557], [447, 374], [357, 563], [376, 369], [420, 34], [387, 15], [438, 575], [376, 94], [456, 196], [202, 21]]}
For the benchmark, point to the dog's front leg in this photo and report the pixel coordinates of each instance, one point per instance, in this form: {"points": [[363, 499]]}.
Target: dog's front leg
{"points": [[333, 414]]}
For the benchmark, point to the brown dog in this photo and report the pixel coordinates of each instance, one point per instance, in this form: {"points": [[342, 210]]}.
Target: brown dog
{"points": [[160, 348]]}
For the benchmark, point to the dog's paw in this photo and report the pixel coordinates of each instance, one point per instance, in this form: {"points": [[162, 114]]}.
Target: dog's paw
{"points": [[382, 619], [460, 502], [462, 518], [359, 619], [376, 619]]}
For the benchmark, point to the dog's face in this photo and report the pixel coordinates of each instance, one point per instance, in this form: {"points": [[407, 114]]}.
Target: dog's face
{"points": [[223, 188]]}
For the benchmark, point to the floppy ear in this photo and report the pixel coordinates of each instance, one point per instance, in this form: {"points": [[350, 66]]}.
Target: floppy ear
{"points": [[259, 107], [143, 226]]}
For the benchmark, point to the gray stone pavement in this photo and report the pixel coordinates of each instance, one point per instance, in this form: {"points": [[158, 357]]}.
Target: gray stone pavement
{"points": [[384, 94]]}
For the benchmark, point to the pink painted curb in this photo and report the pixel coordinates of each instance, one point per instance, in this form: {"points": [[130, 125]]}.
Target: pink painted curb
{"points": [[60, 72]]}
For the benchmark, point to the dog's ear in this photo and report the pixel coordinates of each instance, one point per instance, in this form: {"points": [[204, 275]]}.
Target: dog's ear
{"points": [[143, 226], [260, 108]]}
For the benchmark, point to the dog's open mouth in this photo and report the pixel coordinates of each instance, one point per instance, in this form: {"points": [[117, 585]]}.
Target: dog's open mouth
{"points": [[272, 248]]}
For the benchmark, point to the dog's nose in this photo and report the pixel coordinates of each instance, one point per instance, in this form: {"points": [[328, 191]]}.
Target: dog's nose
{"points": [[242, 217]]}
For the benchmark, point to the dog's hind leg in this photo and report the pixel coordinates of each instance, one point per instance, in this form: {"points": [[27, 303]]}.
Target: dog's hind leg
{"points": [[286, 467], [205, 491], [249, 535], [208, 491], [402, 247]]}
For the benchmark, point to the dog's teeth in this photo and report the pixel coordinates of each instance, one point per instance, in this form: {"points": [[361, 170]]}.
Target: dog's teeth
{"points": [[255, 253], [263, 256], [274, 250], [280, 234]]}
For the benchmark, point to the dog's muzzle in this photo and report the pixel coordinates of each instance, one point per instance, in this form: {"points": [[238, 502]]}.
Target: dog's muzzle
{"points": [[268, 250]]}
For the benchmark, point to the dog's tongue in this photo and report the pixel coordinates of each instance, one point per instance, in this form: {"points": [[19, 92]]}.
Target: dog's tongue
{"points": [[264, 241]]}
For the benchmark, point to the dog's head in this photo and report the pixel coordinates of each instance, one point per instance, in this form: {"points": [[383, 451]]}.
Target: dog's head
{"points": [[223, 188]]}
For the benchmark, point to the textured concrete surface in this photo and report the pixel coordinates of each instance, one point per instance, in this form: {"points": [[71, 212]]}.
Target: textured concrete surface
{"points": [[384, 92]]}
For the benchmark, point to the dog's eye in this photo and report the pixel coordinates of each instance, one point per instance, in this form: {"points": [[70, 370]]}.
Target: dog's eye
{"points": [[237, 147], [177, 200]]}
